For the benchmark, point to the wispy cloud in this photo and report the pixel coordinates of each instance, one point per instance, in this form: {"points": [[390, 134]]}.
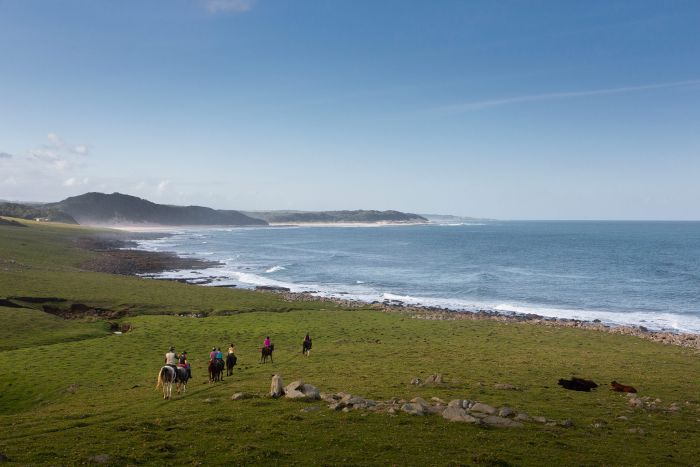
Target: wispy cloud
{"points": [[488, 103], [5, 155], [229, 6]]}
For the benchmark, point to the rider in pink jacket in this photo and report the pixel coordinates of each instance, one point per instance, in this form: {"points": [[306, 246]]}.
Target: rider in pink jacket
{"points": [[267, 342]]}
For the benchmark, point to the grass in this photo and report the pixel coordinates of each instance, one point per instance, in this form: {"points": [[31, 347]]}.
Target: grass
{"points": [[70, 390]]}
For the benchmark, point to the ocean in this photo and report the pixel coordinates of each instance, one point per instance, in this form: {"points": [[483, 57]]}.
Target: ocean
{"points": [[621, 273]]}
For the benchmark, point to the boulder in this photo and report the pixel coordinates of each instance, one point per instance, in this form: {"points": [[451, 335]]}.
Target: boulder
{"points": [[413, 409], [455, 403], [483, 408], [276, 386], [416, 381], [539, 419], [420, 401], [505, 412], [311, 392], [500, 422], [522, 417], [434, 379], [240, 395], [456, 414]]}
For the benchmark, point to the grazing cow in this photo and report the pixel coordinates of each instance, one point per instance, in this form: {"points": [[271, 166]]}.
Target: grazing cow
{"points": [[615, 386], [577, 384]]}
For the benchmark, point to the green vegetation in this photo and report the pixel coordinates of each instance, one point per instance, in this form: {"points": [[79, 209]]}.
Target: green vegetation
{"points": [[70, 390], [25, 211]]}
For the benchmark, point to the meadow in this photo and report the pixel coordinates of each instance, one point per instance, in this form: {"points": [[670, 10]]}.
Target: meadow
{"points": [[73, 392]]}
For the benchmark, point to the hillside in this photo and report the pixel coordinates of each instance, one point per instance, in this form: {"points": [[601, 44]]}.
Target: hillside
{"points": [[34, 212], [117, 208], [96, 401], [358, 216]]}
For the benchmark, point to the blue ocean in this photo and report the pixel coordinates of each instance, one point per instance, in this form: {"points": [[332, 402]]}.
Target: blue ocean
{"points": [[640, 273]]}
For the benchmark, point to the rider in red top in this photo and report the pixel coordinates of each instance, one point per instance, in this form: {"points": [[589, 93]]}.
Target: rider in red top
{"points": [[267, 342]]}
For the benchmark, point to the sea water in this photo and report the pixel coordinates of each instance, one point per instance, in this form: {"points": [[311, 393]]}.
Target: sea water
{"points": [[640, 273]]}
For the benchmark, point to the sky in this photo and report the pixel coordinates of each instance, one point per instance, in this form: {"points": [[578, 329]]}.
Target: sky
{"points": [[501, 109]]}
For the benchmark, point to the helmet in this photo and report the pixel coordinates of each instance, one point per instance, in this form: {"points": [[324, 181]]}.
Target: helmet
{"points": [[213, 349], [172, 349]]}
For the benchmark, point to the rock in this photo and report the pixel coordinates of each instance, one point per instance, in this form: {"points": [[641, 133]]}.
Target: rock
{"points": [[420, 401], [539, 419], [240, 396], [416, 381], [311, 392], [483, 408], [501, 422], [635, 402], [438, 400], [636, 430], [391, 411], [622, 417], [434, 379], [209, 400], [567, 423], [506, 387], [276, 386], [455, 414], [100, 459], [455, 403], [413, 409], [505, 412], [327, 398], [522, 417]]}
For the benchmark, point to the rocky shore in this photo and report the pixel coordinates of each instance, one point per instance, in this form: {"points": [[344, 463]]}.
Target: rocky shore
{"points": [[115, 254]]}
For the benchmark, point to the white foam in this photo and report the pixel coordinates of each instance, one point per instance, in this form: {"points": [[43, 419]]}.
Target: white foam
{"points": [[275, 269]]}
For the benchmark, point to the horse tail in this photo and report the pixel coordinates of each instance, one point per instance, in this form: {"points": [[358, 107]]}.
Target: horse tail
{"points": [[160, 382]]}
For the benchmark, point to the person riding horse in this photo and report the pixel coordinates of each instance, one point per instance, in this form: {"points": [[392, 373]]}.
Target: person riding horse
{"points": [[183, 363], [306, 345], [171, 357], [230, 359]]}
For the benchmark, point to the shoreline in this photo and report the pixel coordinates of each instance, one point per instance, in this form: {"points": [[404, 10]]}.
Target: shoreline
{"points": [[118, 255]]}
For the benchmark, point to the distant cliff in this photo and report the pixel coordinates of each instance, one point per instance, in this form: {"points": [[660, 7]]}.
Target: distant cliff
{"points": [[360, 216], [117, 208], [35, 212]]}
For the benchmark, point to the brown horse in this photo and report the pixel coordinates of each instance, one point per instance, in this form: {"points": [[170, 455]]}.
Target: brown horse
{"points": [[230, 363], [216, 370], [266, 352], [615, 386]]}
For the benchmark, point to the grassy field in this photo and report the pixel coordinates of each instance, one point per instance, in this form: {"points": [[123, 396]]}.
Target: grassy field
{"points": [[71, 390]]}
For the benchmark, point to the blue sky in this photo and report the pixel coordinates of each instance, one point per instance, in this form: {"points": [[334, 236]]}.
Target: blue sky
{"points": [[508, 109]]}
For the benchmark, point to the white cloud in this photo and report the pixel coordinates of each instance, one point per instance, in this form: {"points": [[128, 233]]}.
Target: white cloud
{"points": [[234, 6], [72, 182], [484, 104], [5, 155], [162, 186]]}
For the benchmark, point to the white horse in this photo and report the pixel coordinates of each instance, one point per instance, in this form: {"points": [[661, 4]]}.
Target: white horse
{"points": [[169, 376]]}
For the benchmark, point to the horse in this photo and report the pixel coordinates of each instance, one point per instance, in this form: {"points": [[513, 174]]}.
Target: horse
{"points": [[306, 348], [615, 386], [230, 363], [216, 370], [169, 376], [577, 384], [266, 352]]}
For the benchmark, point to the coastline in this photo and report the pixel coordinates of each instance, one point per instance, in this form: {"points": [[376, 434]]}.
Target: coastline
{"points": [[117, 255]]}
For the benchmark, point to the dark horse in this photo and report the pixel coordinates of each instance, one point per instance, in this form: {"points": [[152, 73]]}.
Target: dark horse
{"points": [[306, 348], [169, 376], [266, 352], [230, 363], [216, 370]]}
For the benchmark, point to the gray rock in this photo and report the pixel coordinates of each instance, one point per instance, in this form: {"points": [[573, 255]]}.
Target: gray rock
{"points": [[455, 414], [276, 386], [240, 395], [522, 417], [483, 408], [623, 418], [413, 409], [505, 412], [420, 401], [539, 419], [567, 423], [416, 381], [311, 392], [438, 400], [456, 403], [501, 422]]}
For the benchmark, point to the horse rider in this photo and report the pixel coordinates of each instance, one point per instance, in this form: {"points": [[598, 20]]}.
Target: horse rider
{"points": [[212, 354], [183, 363], [171, 358], [307, 343], [267, 342], [231, 349], [219, 354]]}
